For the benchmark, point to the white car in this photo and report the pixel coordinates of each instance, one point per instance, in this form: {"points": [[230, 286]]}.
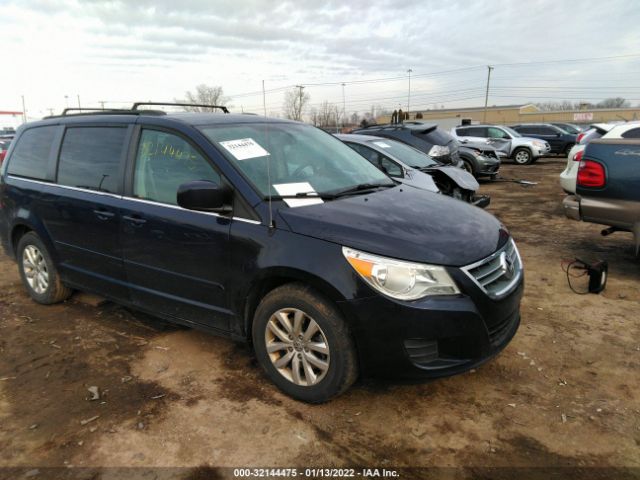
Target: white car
{"points": [[598, 130], [523, 150]]}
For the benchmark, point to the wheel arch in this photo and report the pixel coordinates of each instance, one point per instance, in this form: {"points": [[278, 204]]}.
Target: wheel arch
{"points": [[275, 277], [22, 226]]}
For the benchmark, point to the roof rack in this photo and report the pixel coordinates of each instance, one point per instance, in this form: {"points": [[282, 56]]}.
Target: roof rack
{"points": [[174, 104], [67, 112]]}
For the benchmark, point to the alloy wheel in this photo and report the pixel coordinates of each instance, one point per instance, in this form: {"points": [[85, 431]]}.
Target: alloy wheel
{"points": [[297, 346], [35, 269], [522, 157]]}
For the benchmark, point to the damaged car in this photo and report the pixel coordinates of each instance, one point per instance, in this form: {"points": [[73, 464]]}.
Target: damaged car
{"points": [[415, 168]]}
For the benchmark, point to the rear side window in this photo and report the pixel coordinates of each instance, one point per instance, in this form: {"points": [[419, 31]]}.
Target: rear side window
{"points": [[30, 157], [477, 132], [90, 158], [164, 162], [633, 133]]}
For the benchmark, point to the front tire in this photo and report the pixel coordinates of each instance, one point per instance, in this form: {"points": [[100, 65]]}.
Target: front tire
{"points": [[38, 272], [522, 156], [303, 344], [467, 166]]}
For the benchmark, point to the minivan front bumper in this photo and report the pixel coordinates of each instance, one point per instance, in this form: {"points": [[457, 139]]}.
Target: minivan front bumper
{"points": [[434, 337]]}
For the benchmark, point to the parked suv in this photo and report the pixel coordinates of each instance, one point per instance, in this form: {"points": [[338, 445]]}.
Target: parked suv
{"points": [[426, 137], [263, 230], [523, 150], [569, 174], [559, 140], [569, 127]]}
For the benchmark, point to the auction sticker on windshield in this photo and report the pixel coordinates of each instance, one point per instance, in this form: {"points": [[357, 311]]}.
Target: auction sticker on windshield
{"points": [[244, 148], [293, 189]]}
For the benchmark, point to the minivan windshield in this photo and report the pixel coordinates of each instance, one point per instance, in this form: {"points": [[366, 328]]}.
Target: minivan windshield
{"points": [[404, 153], [291, 156]]}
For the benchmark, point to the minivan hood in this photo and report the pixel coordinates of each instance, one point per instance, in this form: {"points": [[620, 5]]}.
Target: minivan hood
{"points": [[403, 223], [526, 140]]}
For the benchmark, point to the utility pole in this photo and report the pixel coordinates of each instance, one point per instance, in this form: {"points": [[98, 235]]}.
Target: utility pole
{"points": [[24, 111], [102, 104], [409, 96], [264, 100], [343, 106], [300, 103], [486, 96], [66, 101], [78, 95]]}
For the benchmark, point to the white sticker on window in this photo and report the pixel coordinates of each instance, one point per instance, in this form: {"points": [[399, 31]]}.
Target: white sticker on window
{"points": [[244, 148], [291, 189], [382, 144]]}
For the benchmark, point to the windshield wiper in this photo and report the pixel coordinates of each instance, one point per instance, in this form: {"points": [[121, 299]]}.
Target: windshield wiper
{"points": [[357, 189]]}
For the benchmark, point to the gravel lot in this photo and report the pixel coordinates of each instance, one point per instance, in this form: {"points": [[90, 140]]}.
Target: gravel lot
{"points": [[564, 393]]}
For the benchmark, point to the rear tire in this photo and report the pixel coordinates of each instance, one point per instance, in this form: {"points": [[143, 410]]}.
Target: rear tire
{"points": [[38, 272], [568, 149], [303, 344], [522, 156]]}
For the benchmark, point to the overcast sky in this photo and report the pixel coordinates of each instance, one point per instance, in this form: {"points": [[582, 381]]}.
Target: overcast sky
{"points": [[157, 49]]}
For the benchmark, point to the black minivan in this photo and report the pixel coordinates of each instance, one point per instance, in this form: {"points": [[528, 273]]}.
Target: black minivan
{"points": [[262, 230]]}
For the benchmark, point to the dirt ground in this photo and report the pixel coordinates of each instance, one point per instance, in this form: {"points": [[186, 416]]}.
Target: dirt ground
{"points": [[564, 393]]}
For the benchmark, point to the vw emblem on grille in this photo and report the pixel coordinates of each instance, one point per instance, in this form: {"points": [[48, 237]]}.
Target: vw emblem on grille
{"points": [[507, 266]]}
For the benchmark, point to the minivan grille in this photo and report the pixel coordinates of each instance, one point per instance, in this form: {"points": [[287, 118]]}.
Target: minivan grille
{"points": [[499, 273]]}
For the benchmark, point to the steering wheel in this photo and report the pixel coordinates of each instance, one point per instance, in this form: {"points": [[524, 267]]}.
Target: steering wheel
{"points": [[298, 171]]}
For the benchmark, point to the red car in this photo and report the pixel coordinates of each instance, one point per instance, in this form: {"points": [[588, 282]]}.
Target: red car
{"points": [[4, 146]]}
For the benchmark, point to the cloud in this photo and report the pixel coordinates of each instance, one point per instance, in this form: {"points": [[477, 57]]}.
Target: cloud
{"points": [[102, 48]]}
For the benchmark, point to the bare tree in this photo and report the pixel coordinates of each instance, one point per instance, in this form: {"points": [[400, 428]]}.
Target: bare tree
{"points": [[204, 95], [564, 105], [617, 102], [557, 106], [328, 114], [294, 102]]}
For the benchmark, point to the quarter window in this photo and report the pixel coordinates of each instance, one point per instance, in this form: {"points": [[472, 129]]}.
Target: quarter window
{"points": [[633, 133], [30, 157], [164, 162], [90, 158]]}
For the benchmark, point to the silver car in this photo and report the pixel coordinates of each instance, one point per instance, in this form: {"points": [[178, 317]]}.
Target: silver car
{"points": [[522, 150], [415, 168]]}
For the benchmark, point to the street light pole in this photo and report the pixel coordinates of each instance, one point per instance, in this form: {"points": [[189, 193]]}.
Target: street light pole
{"points": [[343, 106], [486, 96], [409, 96], [24, 111], [300, 104], [264, 100]]}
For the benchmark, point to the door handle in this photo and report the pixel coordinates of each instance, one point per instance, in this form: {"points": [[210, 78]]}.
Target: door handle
{"points": [[134, 220], [103, 214]]}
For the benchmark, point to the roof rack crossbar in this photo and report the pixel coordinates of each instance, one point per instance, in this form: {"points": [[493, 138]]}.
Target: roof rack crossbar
{"points": [[174, 104], [79, 112], [91, 109]]}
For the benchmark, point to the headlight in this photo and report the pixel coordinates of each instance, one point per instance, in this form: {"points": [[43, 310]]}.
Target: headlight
{"points": [[538, 144], [399, 279], [439, 150]]}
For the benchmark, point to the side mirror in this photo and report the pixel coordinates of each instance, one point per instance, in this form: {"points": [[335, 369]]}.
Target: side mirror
{"points": [[204, 196]]}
